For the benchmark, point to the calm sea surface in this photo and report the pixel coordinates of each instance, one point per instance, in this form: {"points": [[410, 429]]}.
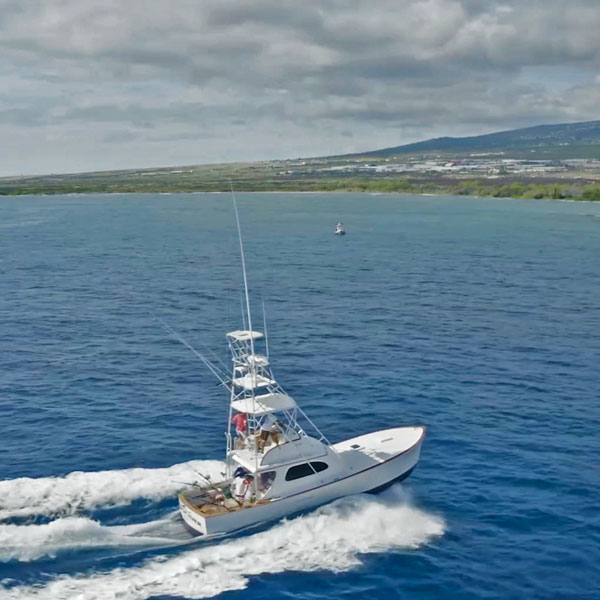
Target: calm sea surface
{"points": [[477, 318]]}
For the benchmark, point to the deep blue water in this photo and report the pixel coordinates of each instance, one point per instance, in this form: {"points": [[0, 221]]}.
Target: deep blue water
{"points": [[477, 318]]}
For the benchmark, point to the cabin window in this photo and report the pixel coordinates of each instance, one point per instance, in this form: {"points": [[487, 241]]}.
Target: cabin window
{"points": [[266, 479], [319, 466], [299, 471]]}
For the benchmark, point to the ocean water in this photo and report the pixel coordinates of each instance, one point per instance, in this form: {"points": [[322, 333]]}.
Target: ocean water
{"points": [[479, 318]]}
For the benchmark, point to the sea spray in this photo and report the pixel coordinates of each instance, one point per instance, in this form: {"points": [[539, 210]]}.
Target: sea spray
{"points": [[80, 491], [332, 537], [30, 542]]}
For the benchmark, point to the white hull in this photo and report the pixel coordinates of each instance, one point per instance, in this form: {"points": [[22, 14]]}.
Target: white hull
{"points": [[357, 480]]}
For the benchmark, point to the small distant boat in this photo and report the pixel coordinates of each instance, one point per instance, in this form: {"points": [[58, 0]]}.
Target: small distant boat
{"points": [[277, 461], [340, 229]]}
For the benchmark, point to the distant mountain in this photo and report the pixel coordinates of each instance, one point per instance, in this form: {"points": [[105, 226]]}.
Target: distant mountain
{"points": [[567, 140]]}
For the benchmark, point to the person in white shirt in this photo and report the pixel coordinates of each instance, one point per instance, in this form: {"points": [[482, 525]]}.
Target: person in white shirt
{"points": [[270, 427], [241, 488]]}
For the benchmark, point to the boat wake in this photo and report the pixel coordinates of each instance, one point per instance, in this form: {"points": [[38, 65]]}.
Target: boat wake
{"points": [[81, 491], [68, 501], [333, 537], [31, 542]]}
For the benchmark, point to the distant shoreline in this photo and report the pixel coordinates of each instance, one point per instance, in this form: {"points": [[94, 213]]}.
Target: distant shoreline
{"points": [[324, 176], [579, 198]]}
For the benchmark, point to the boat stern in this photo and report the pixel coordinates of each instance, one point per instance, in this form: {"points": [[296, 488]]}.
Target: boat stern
{"points": [[193, 520]]}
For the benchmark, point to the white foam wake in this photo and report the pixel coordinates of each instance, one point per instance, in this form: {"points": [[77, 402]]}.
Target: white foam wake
{"points": [[333, 537], [30, 542], [50, 496]]}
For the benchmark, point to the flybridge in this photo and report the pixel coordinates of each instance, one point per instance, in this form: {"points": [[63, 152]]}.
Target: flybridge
{"points": [[256, 394], [265, 404], [241, 344], [244, 336]]}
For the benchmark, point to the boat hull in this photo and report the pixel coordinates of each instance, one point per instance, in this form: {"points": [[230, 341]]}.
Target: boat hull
{"points": [[370, 480]]}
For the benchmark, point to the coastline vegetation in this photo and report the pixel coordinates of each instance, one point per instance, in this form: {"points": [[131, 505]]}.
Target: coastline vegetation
{"points": [[257, 177]]}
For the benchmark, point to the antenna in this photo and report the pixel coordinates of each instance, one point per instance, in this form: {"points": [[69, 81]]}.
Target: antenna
{"points": [[243, 311], [237, 219], [265, 328]]}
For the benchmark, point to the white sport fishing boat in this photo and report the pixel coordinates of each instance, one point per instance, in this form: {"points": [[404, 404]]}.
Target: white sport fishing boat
{"points": [[277, 461], [340, 229]]}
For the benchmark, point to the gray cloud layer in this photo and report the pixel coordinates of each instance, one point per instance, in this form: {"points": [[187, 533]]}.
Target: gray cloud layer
{"points": [[89, 85]]}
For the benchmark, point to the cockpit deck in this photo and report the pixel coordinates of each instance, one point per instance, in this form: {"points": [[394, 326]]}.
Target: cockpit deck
{"points": [[200, 504]]}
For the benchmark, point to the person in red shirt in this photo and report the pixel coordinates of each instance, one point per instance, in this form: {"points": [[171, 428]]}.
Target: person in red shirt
{"points": [[240, 420]]}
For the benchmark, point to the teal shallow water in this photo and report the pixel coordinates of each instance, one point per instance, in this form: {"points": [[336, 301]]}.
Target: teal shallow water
{"points": [[477, 318]]}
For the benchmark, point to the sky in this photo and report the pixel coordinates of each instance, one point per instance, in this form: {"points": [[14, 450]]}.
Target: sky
{"points": [[112, 84]]}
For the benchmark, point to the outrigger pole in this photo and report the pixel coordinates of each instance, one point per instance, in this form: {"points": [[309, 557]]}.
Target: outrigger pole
{"points": [[210, 366]]}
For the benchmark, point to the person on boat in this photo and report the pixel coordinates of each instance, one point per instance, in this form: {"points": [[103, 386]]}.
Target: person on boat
{"points": [[270, 428], [240, 420], [241, 487]]}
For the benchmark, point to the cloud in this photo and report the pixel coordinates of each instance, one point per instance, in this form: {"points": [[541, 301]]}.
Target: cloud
{"points": [[269, 78]]}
